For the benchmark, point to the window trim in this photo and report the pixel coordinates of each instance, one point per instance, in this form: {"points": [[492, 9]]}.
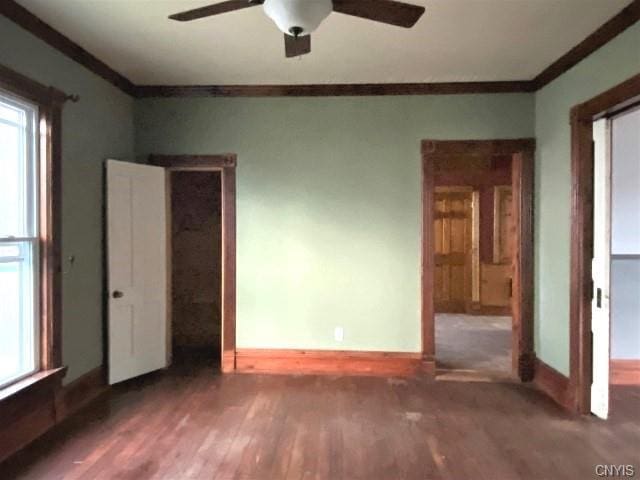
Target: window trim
{"points": [[49, 102]]}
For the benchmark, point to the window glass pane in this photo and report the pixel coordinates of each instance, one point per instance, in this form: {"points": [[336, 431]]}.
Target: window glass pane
{"points": [[17, 170], [19, 298], [13, 115], [18, 325], [9, 250]]}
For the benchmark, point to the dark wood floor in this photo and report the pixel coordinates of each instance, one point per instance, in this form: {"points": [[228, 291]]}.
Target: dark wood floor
{"points": [[196, 425]]}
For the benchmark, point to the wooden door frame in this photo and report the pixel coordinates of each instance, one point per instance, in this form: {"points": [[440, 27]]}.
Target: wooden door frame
{"points": [[522, 152], [613, 101], [226, 165]]}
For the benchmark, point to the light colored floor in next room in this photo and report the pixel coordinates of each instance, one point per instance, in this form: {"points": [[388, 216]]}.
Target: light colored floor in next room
{"points": [[470, 342]]}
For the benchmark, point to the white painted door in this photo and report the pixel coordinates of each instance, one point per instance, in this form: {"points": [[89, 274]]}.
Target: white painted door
{"points": [[600, 311], [137, 262]]}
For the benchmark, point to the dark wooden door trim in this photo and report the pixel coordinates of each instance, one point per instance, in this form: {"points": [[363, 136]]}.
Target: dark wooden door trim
{"points": [[226, 164], [522, 151], [609, 103]]}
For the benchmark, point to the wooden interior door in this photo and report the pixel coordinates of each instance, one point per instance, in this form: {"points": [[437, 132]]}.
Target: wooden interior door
{"points": [[453, 218]]}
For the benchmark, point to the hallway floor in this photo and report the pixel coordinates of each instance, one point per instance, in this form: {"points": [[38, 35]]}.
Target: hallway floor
{"points": [[173, 425], [473, 342]]}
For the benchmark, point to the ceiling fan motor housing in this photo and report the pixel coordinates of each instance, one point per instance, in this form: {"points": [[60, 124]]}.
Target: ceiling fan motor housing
{"points": [[298, 17]]}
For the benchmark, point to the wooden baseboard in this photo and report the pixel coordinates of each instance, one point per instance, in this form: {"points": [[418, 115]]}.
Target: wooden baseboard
{"points": [[32, 412], [554, 384], [28, 410], [624, 372], [228, 361], [80, 392], [428, 365], [331, 362]]}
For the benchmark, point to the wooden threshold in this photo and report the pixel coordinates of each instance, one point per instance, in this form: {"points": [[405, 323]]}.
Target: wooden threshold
{"points": [[464, 375]]}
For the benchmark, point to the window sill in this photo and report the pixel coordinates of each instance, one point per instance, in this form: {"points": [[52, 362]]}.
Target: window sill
{"points": [[44, 379]]}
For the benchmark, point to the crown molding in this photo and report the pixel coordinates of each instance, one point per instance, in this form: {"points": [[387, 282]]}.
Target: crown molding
{"points": [[332, 90], [30, 22], [627, 17], [45, 32]]}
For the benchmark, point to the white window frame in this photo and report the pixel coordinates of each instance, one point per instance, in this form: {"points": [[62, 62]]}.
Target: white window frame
{"points": [[31, 241]]}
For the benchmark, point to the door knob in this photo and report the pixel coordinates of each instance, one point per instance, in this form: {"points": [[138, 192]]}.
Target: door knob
{"points": [[117, 294]]}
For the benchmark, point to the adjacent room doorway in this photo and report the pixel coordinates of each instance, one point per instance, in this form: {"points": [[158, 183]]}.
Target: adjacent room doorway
{"points": [[195, 244], [199, 178], [473, 268], [477, 258], [589, 324], [171, 264], [615, 308]]}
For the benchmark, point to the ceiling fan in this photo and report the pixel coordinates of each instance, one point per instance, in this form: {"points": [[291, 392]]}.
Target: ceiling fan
{"points": [[299, 18]]}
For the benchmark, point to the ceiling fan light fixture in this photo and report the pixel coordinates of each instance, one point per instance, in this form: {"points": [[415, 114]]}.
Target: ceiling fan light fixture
{"points": [[298, 17]]}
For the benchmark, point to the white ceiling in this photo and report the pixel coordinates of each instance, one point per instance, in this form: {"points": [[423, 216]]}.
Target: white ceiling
{"points": [[456, 40]]}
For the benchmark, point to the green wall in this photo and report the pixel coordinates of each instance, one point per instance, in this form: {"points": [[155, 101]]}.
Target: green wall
{"points": [[328, 196], [612, 64], [97, 127], [328, 204]]}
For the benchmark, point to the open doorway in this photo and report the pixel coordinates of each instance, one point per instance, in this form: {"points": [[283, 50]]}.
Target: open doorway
{"points": [[616, 259], [196, 266], [625, 256], [472, 292], [171, 235], [201, 236], [477, 269], [589, 351], [473, 238]]}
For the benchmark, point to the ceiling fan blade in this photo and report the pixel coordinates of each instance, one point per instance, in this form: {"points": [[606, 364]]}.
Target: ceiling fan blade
{"points": [[216, 9], [385, 11], [296, 46]]}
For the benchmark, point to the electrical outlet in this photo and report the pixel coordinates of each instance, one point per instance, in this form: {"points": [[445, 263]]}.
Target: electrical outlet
{"points": [[338, 334]]}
